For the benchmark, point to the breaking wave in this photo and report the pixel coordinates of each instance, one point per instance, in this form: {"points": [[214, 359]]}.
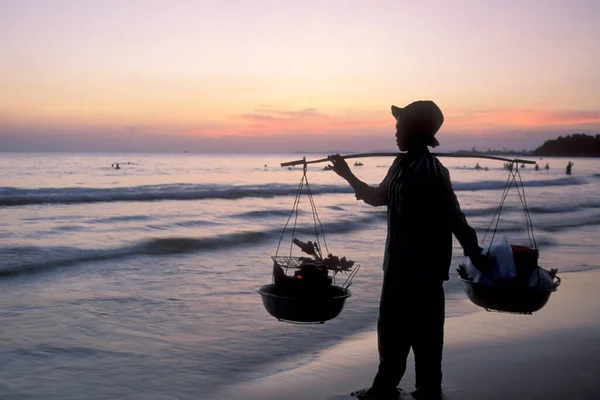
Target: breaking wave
{"points": [[10, 196]]}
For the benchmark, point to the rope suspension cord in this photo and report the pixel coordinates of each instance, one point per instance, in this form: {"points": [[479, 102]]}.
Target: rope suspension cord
{"points": [[525, 208], [512, 175], [496, 216], [295, 211], [315, 215]]}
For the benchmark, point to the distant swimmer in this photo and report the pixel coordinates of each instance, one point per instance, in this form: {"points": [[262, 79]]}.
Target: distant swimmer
{"points": [[569, 166]]}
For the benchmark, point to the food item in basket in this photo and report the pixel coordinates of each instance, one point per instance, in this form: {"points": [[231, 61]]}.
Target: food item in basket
{"points": [[330, 262], [311, 277], [308, 281]]}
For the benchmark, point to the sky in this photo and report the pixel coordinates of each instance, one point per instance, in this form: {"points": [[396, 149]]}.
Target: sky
{"points": [[286, 75]]}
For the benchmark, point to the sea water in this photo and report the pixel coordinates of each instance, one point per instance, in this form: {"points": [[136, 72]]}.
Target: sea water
{"points": [[140, 282]]}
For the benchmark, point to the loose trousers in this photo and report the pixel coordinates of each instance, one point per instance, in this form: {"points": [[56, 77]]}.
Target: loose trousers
{"points": [[411, 315]]}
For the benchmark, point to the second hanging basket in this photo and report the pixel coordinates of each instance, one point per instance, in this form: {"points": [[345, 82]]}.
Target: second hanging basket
{"points": [[532, 285]]}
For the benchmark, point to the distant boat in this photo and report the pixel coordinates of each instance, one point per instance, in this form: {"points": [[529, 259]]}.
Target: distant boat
{"points": [[358, 164]]}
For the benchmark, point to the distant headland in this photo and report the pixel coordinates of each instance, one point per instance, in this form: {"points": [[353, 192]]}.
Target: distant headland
{"points": [[575, 145]]}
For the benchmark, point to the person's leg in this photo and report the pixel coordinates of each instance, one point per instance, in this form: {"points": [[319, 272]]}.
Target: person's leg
{"points": [[428, 342], [393, 336]]}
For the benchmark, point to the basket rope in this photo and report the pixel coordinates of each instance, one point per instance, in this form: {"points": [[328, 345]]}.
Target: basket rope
{"points": [[294, 212], [513, 174]]}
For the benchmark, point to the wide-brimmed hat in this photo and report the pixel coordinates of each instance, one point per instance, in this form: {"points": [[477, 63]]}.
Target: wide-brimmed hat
{"points": [[421, 117]]}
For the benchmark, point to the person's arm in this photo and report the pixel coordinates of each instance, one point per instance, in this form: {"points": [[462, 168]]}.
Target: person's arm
{"points": [[465, 234], [374, 196]]}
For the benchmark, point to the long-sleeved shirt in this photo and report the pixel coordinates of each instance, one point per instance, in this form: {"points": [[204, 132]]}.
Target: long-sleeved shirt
{"points": [[422, 214]]}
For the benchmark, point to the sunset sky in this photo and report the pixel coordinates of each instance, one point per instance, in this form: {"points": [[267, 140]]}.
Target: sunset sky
{"points": [[283, 75]]}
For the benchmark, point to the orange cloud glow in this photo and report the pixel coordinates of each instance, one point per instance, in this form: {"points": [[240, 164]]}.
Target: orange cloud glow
{"points": [[309, 121], [521, 118]]}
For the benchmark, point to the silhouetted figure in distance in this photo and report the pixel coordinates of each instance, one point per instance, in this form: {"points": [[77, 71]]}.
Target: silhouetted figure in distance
{"points": [[423, 213], [569, 166], [537, 167], [547, 166]]}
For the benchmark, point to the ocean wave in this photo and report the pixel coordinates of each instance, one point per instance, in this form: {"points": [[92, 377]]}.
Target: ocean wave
{"points": [[30, 259], [569, 224], [499, 185], [18, 260], [265, 214], [20, 197], [563, 207], [110, 220]]}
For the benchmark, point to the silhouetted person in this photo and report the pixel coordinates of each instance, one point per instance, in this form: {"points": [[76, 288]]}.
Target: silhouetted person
{"points": [[422, 213], [547, 166], [537, 167], [117, 166], [477, 166], [569, 166]]}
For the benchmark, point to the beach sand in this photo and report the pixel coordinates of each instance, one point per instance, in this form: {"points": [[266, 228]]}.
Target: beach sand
{"points": [[552, 354]]}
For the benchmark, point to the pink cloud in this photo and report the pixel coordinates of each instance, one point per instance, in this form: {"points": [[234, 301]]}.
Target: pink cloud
{"points": [[307, 121], [522, 118]]}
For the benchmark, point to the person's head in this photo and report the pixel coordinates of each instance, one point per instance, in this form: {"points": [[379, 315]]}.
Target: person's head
{"points": [[417, 124]]}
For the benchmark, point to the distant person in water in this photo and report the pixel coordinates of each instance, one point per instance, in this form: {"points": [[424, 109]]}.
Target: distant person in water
{"points": [[569, 166], [547, 166], [537, 167], [422, 213]]}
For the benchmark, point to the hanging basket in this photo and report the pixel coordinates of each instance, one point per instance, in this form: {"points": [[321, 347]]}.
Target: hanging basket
{"points": [[507, 298], [303, 309], [311, 294], [516, 295]]}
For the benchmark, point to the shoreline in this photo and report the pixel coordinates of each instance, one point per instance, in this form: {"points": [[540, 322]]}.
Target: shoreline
{"points": [[552, 354]]}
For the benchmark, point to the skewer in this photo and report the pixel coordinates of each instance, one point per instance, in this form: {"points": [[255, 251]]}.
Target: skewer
{"points": [[365, 155]]}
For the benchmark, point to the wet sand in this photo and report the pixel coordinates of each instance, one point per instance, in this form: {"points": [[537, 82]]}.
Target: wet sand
{"points": [[552, 354]]}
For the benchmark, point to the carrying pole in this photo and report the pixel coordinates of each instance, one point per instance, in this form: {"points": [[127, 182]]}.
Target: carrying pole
{"points": [[365, 155]]}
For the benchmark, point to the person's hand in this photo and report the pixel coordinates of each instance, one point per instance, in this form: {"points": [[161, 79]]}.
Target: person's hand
{"points": [[340, 166], [481, 261]]}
